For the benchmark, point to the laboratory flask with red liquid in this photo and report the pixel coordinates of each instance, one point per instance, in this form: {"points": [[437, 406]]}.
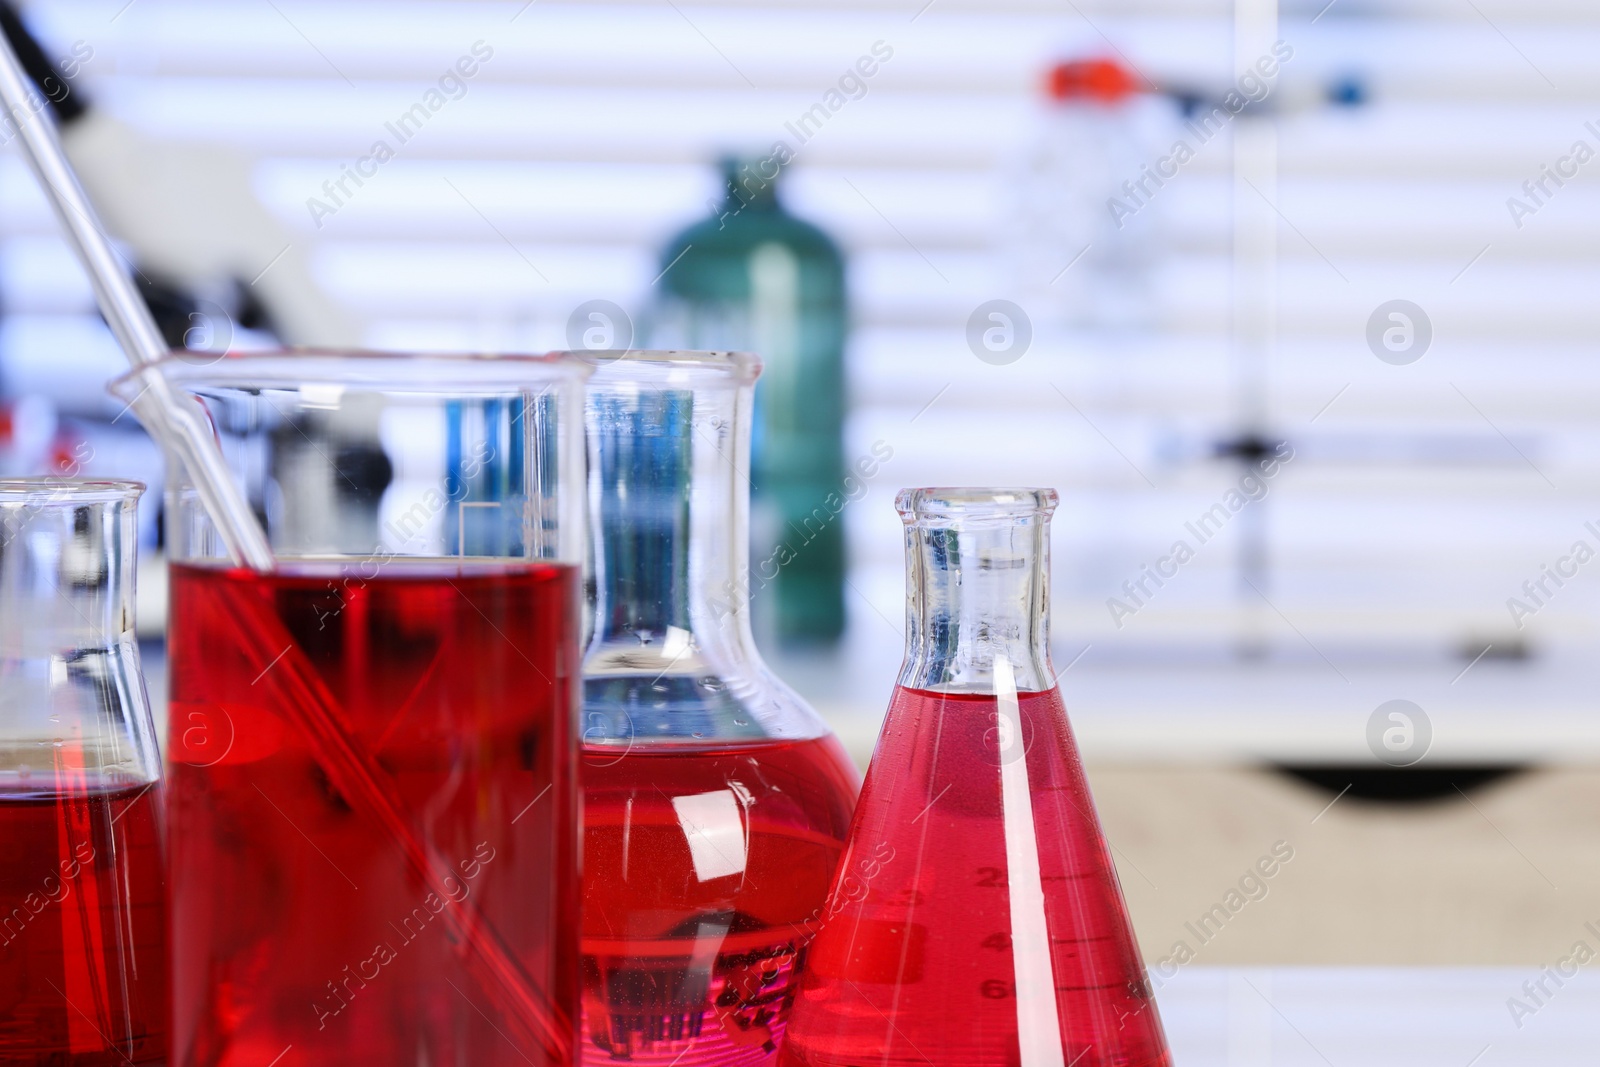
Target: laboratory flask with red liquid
{"points": [[83, 935], [976, 919], [715, 800], [372, 746]]}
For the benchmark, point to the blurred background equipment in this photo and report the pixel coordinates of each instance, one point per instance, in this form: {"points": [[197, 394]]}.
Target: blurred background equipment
{"points": [[217, 269], [753, 277], [210, 255], [1076, 263]]}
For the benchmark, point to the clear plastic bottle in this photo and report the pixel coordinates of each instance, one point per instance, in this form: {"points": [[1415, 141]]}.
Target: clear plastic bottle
{"points": [[1094, 133], [83, 947], [976, 919], [715, 800]]}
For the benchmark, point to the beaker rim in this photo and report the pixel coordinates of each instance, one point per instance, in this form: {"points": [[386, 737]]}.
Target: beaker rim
{"points": [[356, 366], [45, 489], [738, 366], [940, 504]]}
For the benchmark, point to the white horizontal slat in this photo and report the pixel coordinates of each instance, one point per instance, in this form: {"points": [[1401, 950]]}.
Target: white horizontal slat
{"points": [[1410, 53], [1421, 496]]}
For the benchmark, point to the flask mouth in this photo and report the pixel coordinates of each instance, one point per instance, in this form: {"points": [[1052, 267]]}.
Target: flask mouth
{"points": [[48, 490], [974, 504], [332, 371], [663, 366]]}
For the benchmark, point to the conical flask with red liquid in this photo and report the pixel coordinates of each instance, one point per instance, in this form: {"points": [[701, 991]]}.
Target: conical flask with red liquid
{"points": [[83, 926], [976, 918], [715, 800]]}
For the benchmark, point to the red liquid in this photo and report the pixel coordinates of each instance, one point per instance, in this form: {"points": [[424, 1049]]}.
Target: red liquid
{"points": [[696, 912], [301, 932], [916, 962], [83, 952]]}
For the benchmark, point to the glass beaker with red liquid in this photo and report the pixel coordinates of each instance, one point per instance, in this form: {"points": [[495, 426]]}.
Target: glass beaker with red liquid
{"points": [[372, 747], [83, 943], [976, 919], [716, 801]]}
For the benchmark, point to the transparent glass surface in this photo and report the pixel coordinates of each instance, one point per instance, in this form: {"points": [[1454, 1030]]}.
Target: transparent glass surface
{"points": [[366, 454], [83, 953], [715, 799], [976, 918], [372, 746]]}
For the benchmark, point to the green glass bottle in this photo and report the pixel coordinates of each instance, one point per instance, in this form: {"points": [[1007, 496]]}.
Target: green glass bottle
{"points": [[754, 277]]}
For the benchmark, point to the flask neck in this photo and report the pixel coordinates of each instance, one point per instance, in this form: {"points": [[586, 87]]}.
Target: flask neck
{"points": [[66, 567], [73, 707], [672, 654], [654, 515], [977, 589], [751, 185]]}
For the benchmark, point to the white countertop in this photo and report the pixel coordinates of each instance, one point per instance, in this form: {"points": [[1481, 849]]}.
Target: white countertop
{"points": [[1376, 1017]]}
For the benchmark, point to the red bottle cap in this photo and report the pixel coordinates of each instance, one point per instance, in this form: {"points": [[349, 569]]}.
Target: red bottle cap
{"points": [[1102, 80]]}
